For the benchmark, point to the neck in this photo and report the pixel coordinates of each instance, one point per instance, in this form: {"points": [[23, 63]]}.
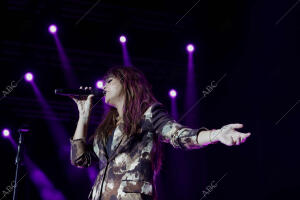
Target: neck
{"points": [[119, 107]]}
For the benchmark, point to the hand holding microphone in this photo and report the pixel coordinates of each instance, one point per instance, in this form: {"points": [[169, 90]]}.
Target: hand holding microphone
{"points": [[84, 103], [82, 97]]}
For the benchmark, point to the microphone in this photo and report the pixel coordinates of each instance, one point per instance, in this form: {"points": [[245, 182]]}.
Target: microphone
{"points": [[79, 92]]}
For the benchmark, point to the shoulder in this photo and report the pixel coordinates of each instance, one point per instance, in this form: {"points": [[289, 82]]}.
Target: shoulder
{"points": [[156, 112], [153, 108]]}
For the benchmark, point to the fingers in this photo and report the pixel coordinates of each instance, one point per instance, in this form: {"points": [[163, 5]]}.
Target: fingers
{"points": [[236, 140], [245, 136], [77, 99], [233, 140], [85, 88], [240, 138]]}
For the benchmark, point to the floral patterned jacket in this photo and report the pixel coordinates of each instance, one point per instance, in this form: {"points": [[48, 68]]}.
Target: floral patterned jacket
{"points": [[129, 172]]}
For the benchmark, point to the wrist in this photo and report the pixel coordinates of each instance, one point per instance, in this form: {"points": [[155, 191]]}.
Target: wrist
{"points": [[84, 118], [214, 136]]}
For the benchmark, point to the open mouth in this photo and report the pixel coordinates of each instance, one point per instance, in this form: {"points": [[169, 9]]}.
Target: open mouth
{"points": [[104, 92]]}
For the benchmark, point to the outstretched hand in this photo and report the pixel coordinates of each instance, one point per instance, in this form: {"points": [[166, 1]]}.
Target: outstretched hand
{"points": [[229, 136]]}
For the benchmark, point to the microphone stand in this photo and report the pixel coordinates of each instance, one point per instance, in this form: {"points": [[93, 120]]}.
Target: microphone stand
{"points": [[18, 160]]}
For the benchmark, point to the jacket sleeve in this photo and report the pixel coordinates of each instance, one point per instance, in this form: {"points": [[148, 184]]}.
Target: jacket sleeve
{"points": [[179, 136], [82, 154]]}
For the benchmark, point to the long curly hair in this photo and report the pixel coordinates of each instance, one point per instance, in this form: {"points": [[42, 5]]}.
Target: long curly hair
{"points": [[138, 98]]}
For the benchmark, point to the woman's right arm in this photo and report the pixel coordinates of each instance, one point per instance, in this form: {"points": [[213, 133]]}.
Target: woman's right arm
{"points": [[82, 127], [81, 152]]}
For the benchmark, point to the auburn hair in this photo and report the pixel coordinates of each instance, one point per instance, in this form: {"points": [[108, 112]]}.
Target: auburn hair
{"points": [[138, 98]]}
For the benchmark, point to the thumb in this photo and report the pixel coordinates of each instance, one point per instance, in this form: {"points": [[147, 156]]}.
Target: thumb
{"points": [[73, 98], [89, 98], [236, 125]]}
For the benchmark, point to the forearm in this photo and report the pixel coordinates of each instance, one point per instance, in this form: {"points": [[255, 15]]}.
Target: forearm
{"points": [[207, 137], [82, 128], [80, 155]]}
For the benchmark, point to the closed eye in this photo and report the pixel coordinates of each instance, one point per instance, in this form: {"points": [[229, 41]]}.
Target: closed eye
{"points": [[108, 81]]}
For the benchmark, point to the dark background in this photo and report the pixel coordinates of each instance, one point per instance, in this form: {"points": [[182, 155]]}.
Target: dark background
{"points": [[255, 43]]}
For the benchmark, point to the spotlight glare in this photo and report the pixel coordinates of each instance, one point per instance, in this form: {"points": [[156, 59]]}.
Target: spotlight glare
{"points": [[190, 48], [172, 93], [52, 29], [28, 76], [100, 84], [122, 39], [5, 132]]}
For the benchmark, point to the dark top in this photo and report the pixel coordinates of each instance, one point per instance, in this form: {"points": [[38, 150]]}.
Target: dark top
{"points": [[109, 142]]}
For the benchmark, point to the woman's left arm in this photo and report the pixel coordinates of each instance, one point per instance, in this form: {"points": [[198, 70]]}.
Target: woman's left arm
{"points": [[180, 136]]}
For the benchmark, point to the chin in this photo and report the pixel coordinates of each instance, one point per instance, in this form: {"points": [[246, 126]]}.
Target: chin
{"points": [[108, 102]]}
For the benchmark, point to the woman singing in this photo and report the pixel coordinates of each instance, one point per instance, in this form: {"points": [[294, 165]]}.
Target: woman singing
{"points": [[126, 143]]}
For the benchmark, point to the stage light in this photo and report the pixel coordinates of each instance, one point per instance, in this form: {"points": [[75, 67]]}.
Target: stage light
{"points": [[100, 84], [190, 48], [122, 39], [5, 132], [52, 29], [29, 77], [172, 93]]}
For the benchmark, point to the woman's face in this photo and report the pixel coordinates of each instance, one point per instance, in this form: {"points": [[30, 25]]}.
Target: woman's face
{"points": [[113, 91]]}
